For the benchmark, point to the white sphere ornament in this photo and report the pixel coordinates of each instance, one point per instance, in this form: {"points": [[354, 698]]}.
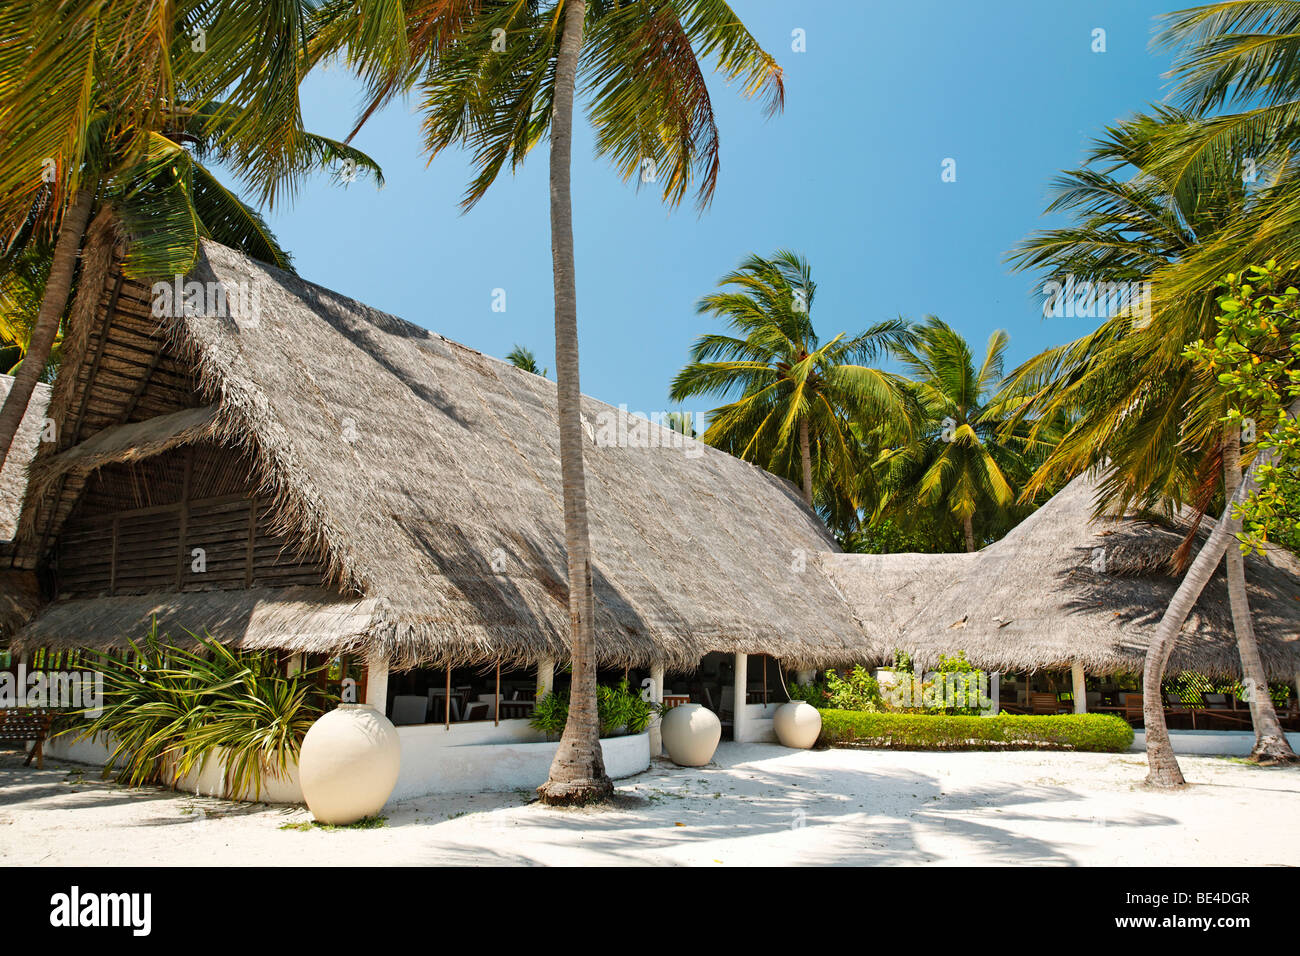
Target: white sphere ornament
{"points": [[690, 734], [348, 764], [797, 724]]}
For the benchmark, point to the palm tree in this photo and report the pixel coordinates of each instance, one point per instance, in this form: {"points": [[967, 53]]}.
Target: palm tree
{"points": [[1240, 52], [963, 460], [797, 398], [21, 283], [499, 75], [1163, 765], [521, 357], [1134, 398], [106, 104]]}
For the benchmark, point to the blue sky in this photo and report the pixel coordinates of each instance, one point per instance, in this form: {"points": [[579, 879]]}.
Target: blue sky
{"points": [[848, 175]]}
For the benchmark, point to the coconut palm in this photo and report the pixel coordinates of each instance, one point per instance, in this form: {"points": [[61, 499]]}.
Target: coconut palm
{"points": [[108, 104], [1235, 52], [523, 358], [21, 283], [962, 460], [497, 76], [796, 398], [1134, 398], [1163, 765]]}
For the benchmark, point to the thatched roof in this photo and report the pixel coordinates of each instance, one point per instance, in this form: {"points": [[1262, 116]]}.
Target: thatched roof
{"points": [[426, 475], [1045, 596], [13, 479]]}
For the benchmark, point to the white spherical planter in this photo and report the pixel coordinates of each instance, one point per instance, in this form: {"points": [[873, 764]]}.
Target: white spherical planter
{"points": [[797, 724], [348, 764], [690, 734]]}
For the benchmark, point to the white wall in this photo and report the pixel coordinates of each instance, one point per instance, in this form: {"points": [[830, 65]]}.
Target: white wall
{"points": [[1214, 743], [437, 760], [469, 758], [756, 728], [209, 782]]}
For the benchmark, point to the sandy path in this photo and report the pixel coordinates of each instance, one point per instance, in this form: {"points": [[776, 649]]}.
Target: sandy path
{"points": [[756, 805]]}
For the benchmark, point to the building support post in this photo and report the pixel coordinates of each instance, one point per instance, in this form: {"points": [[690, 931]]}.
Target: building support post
{"points": [[1080, 688], [656, 697], [740, 682], [377, 684]]}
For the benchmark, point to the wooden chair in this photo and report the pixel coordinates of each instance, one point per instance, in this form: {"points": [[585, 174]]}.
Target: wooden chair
{"points": [[476, 710], [1044, 704], [1133, 704], [21, 724]]}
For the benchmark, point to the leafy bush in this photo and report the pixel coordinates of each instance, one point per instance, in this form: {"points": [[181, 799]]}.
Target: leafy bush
{"points": [[814, 692], [616, 707], [167, 710], [1103, 733], [857, 691]]}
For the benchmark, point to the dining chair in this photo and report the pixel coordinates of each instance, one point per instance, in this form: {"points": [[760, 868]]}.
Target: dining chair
{"points": [[437, 706]]}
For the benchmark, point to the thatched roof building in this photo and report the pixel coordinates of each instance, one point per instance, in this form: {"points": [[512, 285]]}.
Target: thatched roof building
{"points": [[256, 456], [287, 467], [1063, 588]]}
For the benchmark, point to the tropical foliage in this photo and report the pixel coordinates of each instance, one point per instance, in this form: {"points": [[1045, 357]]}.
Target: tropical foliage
{"points": [[966, 456], [1255, 358], [168, 711], [620, 709], [797, 401]]}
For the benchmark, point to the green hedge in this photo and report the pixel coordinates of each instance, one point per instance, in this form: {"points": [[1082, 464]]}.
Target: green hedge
{"points": [[1097, 732]]}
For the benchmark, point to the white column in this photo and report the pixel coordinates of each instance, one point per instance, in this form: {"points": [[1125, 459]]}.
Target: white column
{"points": [[1080, 688], [740, 681], [545, 677], [294, 665], [656, 696], [804, 677], [377, 684]]}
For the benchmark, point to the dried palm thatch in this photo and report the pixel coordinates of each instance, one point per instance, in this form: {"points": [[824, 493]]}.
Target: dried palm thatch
{"points": [[127, 443], [13, 479], [1064, 587], [426, 476]]}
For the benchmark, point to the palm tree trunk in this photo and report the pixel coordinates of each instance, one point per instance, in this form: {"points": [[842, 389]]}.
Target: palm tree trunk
{"points": [[1164, 770], [968, 529], [54, 301], [805, 452], [578, 771], [1270, 742]]}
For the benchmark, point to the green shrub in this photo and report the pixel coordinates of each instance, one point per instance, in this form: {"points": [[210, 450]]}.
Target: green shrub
{"points": [[1103, 733], [168, 709], [857, 691], [814, 692], [616, 707]]}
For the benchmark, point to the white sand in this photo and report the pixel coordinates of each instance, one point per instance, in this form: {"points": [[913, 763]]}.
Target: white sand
{"points": [[756, 805]]}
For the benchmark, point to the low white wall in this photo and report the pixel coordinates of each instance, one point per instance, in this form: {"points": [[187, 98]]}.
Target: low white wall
{"points": [[468, 758], [758, 724], [209, 782], [472, 758], [91, 752], [1214, 743]]}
